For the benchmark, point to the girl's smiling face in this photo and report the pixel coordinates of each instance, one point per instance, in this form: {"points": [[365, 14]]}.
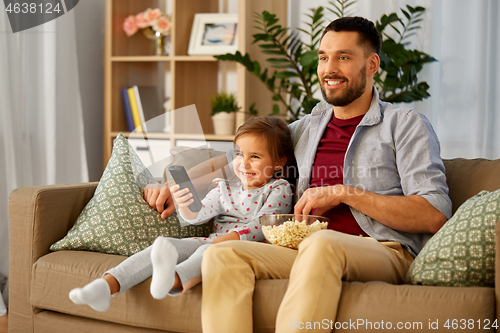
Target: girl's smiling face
{"points": [[252, 163]]}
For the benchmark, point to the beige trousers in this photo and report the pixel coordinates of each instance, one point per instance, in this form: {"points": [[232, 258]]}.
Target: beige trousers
{"points": [[316, 271]]}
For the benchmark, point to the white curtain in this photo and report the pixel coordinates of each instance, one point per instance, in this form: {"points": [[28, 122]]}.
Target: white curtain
{"points": [[465, 83], [464, 36], [41, 126]]}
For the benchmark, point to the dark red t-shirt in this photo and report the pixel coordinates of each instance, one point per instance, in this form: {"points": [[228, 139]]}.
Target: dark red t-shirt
{"points": [[328, 170]]}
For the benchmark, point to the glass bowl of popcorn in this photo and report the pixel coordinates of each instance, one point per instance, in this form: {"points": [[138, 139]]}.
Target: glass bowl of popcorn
{"points": [[288, 230]]}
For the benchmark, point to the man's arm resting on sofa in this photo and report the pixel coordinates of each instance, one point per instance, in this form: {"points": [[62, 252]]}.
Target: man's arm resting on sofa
{"points": [[409, 214]]}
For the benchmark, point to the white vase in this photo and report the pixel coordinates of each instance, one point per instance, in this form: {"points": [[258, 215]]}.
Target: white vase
{"points": [[224, 123]]}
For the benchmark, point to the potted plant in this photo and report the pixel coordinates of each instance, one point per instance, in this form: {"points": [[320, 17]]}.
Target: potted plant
{"points": [[224, 108]]}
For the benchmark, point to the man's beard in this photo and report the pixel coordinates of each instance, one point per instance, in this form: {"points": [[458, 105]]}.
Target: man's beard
{"points": [[352, 93]]}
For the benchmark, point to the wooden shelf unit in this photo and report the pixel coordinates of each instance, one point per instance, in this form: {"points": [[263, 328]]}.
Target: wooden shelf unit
{"points": [[193, 79]]}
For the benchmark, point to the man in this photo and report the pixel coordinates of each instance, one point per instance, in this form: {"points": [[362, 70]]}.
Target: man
{"points": [[373, 168]]}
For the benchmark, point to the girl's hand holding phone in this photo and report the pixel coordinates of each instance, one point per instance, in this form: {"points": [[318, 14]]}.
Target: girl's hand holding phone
{"points": [[183, 198]]}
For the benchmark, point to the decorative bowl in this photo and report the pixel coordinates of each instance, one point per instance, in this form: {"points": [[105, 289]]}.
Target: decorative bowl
{"points": [[288, 230]]}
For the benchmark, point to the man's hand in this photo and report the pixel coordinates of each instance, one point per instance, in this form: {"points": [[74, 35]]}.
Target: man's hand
{"points": [[404, 213], [321, 198], [158, 196]]}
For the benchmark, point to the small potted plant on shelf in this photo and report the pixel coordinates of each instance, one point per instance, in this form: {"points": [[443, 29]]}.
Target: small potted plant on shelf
{"points": [[224, 108]]}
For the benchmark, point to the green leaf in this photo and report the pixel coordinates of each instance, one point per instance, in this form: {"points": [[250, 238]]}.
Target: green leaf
{"points": [[338, 8], [308, 58], [279, 52], [296, 43], [269, 46], [256, 68], [304, 31], [266, 16], [349, 5], [263, 76], [276, 110], [281, 34], [392, 26], [286, 74], [408, 16], [276, 30], [261, 37], [419, 9], [309, 103], [278, 60], [252, 110], [272, 22], [409, 35]]}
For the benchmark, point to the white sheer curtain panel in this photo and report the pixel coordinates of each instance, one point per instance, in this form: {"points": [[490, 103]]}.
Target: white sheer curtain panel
{"points": [[41, 126], [465, 84]]}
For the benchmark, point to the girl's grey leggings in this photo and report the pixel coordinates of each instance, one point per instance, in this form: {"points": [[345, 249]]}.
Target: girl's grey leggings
{"points": [[138, 267]]}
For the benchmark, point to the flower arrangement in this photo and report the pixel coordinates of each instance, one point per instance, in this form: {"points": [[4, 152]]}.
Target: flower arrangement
{"points": [[153, 21]]}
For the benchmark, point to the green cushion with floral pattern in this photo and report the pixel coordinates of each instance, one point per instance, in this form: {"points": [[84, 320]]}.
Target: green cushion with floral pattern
{"points": [[462, 252], [117, 220]]}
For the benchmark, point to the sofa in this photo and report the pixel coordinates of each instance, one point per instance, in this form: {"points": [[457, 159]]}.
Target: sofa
{"points": [[40, 280]]}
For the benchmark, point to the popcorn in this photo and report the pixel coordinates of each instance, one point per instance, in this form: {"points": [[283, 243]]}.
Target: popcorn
{"points": [[290, 233]]}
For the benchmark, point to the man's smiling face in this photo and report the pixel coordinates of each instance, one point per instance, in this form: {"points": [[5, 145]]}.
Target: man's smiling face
{"points": [[342, 67]]}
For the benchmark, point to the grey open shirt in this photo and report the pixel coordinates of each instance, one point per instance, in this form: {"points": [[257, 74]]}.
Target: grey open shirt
{"points": [[393, 151]]}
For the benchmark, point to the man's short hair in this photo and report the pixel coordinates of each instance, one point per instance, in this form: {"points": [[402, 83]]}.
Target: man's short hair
{"points": [[368, 33]]}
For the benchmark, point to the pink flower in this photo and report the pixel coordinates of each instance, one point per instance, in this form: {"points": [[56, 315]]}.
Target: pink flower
{"points": [[129, 26], [152, 15], [141, 21], [162, 25]]}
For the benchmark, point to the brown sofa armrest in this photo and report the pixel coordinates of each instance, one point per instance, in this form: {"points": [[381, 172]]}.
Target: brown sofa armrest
{"points": [[39, 216]]}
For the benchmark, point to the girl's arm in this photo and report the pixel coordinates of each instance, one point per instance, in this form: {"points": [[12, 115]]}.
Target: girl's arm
{"points": [[183, 198], [159, 196], [233, 235]]}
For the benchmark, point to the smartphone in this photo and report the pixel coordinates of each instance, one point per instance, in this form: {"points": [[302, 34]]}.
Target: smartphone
{"points": [[182, 179]]}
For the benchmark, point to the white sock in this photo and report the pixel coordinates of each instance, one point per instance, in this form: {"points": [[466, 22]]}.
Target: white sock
{"points": [[96, 294], [164, 258]]}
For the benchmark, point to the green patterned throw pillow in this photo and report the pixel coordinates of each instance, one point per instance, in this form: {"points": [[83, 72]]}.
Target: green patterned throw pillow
{"points": [[462, 252], [117, 220]]}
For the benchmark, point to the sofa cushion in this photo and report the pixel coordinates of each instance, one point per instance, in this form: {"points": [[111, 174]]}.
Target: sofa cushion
{"points": [[117, 220], [462, 252]]}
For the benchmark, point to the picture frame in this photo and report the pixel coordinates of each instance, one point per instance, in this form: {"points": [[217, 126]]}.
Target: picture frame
{"points": [[213, 34]]}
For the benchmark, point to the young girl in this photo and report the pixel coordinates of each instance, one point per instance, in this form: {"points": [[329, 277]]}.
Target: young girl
{"points": [[262, 147]]}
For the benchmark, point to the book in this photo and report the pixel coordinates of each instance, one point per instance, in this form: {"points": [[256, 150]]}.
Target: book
{"points": [[127, 110], [135, 112], [148, 105], [139, 108]]}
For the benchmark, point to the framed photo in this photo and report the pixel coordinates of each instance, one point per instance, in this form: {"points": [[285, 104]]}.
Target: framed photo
{"points": [[214, 34]]}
